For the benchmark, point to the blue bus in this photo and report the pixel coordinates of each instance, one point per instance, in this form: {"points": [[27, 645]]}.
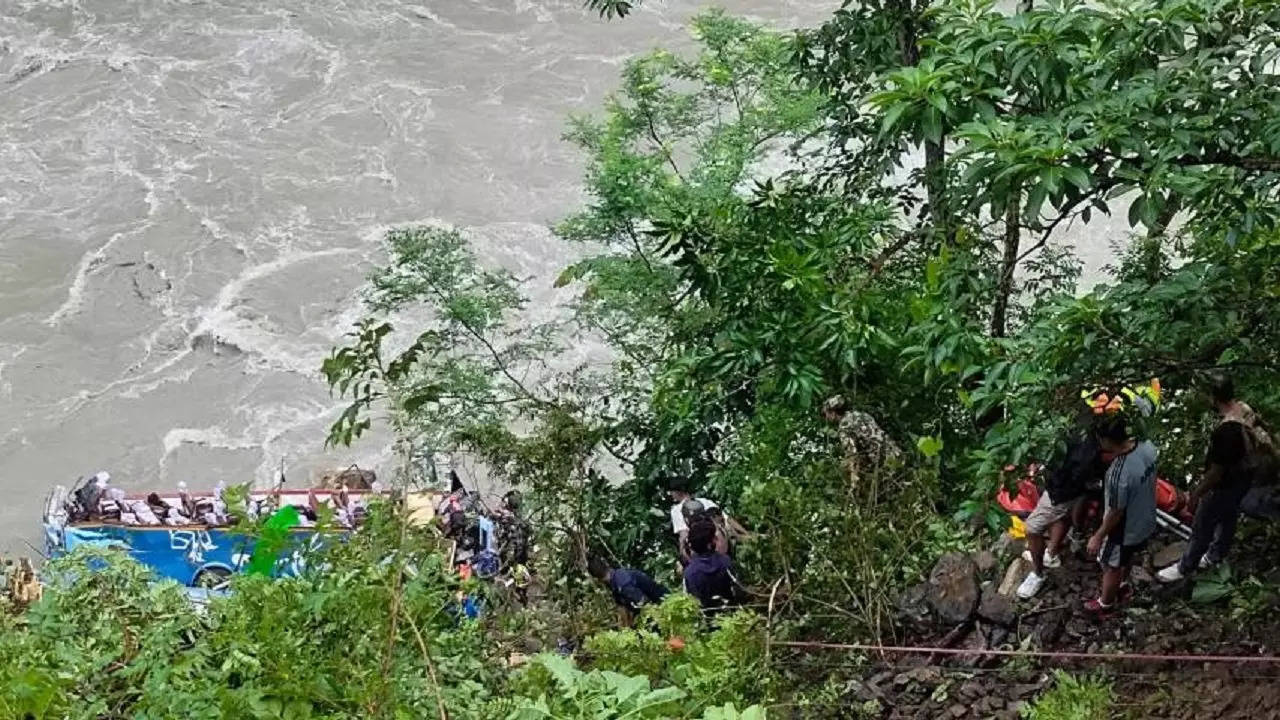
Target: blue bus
{"points": [[195, 555]]}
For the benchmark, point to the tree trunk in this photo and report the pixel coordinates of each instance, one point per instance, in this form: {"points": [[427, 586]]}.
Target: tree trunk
{"points": [[935, 156], [1151, 257], [1008, 264], [934, 152], [1012, 244]]}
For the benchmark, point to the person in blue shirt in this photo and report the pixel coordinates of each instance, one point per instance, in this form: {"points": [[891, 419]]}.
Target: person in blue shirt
{"points": [[632, 589], [709, 574]]}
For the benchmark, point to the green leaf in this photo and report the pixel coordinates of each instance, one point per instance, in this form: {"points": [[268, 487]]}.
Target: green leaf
{"points": [[932, 125], [566, 276], [1137, 209], [890, 120], [562, 669], [929, 446], [1077, 176], [1209, 591]]}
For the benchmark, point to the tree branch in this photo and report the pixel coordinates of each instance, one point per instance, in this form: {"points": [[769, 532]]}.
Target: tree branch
{"points": [[1101, 187], [653, 135], [497, 357], [635, 241], [1244, 162]]}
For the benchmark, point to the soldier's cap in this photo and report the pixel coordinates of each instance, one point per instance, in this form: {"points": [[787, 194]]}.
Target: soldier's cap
{"points": [[835, 403]]}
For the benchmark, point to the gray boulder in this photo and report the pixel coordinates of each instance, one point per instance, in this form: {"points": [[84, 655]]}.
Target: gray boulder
{"points": [[953, 588], [996, 608]]}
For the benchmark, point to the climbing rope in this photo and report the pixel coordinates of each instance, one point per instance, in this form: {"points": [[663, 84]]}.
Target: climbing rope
{"points": [[1064, 655]]}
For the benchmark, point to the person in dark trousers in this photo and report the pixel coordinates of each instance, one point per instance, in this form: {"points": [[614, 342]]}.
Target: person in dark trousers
{"points": [[632, 589], [709, 574], [1129, 501], [1230, 464], [1080, 467]]}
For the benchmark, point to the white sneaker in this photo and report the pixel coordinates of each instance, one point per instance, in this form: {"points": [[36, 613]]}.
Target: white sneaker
{"points": [[1076, 541], [1170, 574], [1030, 586], [1050, 560], [1206, 563]]}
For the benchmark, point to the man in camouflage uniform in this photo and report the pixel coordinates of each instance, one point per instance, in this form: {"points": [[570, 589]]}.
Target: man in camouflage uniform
{"points": [[513, 531], [865, 444]]}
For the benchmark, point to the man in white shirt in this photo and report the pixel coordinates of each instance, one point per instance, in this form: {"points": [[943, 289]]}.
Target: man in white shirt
{"points": [[678, 492]]}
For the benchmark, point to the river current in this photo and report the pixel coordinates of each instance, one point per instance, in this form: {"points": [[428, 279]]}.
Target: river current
{"points": [[192, 191]]}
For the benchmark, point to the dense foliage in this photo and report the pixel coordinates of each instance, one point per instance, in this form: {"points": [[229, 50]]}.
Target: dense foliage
{"points": [[873, 208], [375, 631], [752, 246]]}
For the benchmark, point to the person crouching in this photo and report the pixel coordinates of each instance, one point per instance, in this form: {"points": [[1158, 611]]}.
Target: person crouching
{"points": [[709, 576]]}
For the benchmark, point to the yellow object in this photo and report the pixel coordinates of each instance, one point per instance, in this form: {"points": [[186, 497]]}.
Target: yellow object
{"points": [[422, 507], [1017, 528], [1104, 403]]}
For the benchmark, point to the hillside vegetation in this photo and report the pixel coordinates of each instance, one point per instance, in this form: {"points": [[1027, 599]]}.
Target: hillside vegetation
{"points": [[873, 208]]}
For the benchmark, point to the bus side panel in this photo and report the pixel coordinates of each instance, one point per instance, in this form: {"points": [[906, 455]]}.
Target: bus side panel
{"points": [[180, 554]]}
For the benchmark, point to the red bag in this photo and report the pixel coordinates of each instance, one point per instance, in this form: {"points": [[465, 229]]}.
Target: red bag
{"points": [[1024, 502]]}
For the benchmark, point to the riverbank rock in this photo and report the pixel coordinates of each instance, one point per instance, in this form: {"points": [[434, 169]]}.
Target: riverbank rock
{"points": [[353, 478], [1168, 555], [985, 561], [23, 586], [1007, 546], [996, 608], [1013, 576], [953, 588], [912, 607]]}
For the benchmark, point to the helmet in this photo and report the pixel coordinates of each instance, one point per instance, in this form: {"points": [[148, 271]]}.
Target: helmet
{"points": [[691, 508]]}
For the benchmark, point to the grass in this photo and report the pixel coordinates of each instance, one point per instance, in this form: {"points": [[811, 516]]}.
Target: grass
{"points": [[1072, 698]]}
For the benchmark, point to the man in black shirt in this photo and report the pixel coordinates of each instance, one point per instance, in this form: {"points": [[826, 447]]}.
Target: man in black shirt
{"points": [[1081, 466], [632, 589], [1227, 477]]}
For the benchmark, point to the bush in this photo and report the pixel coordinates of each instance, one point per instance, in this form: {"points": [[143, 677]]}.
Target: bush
{"points": [[1072, 698]]}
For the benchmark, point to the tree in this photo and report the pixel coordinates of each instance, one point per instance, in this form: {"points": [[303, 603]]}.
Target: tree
{"points": [[1057, 111], [679, 144], [732, 296], [610, 9], [761, 251]]}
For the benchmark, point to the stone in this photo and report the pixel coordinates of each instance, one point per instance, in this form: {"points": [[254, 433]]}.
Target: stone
{"points": [[353, 478], [22, 584], [1024, 690], [997, 636], [912, 606], [958, 710], [926, 676], [985, 561], [1008, 546], [953, 587], [996, 608], [1169, 554], [1013, 576], [1052, 624]]}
